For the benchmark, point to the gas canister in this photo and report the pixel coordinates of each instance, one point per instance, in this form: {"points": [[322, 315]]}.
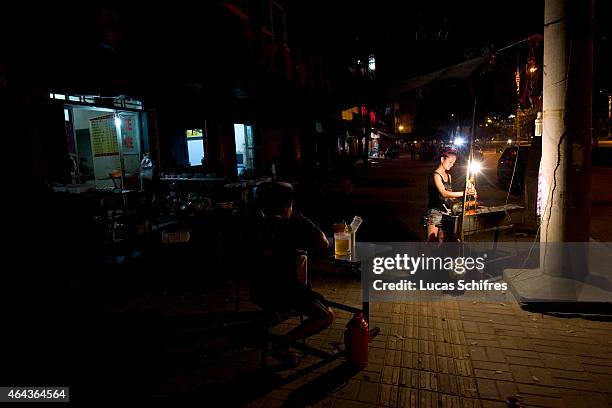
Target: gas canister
{"points": [[356, 341]]}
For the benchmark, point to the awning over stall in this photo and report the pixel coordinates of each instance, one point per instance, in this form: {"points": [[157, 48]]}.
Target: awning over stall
{"points": [[459, 71]]}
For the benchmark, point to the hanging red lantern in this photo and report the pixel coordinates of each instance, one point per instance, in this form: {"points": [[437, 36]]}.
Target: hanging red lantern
{"points": [[517, 78]]}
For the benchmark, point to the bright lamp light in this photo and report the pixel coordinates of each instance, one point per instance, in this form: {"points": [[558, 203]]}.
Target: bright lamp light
{"points": [[458, 141], [475, 167]]}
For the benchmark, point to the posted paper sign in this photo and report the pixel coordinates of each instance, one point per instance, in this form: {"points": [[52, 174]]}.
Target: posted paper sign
{"points": [[104, 136]]}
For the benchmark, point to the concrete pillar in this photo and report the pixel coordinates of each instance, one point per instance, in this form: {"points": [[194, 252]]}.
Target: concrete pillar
{"points": [[566, 139], [562, 281]]}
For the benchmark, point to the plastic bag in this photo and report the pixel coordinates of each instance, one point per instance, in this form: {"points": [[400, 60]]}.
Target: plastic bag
{"points": [[146, 168]]}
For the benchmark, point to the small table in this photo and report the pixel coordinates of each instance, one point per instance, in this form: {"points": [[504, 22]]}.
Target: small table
{"points": [[353, 262]]}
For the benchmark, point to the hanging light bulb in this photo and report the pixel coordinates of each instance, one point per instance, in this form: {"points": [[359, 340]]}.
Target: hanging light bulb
{"points": [[475, 166]]}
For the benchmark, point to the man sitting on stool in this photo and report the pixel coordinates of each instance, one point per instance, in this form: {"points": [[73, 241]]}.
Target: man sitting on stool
{"points": [[280, 283]]}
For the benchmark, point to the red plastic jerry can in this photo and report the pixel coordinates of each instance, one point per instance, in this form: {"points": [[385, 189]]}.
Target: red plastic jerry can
{"points": [[356, 341]]}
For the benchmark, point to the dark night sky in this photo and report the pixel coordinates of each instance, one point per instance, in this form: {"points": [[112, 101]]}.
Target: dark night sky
{"points": [[411, 38], [422, 36], [433, 28], [408, 37]]}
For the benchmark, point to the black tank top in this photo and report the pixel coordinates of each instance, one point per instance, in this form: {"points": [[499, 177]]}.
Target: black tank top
{"points": [[436, 200]]}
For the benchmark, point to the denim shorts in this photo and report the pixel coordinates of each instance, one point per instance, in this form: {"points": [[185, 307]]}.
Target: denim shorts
{"points": [[434, 217]]}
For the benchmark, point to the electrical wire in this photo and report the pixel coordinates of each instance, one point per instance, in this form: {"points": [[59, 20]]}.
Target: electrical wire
{"points": [[549, 201], [508, 217], [513, 45], [513, 172]]}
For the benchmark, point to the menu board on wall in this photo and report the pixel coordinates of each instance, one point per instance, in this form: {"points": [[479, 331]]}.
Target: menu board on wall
{"points": [[104, 136]]}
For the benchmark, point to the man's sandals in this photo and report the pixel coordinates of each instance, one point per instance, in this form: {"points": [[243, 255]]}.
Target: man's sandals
{"points": [[281, 352]]}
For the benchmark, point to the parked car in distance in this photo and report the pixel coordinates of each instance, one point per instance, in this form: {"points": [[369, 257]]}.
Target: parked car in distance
{"points": [[506, 166], [601, 155]]}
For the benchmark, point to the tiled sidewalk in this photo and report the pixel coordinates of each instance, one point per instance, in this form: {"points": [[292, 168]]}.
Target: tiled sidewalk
{"points": [[449, 353], [457, 353]]}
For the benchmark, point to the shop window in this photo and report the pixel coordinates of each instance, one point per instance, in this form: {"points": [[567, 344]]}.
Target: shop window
{"points": [[371, 66], [245, 148], [97, 147], [120, 101], [105, 142], [125, 102], [195, 146]]}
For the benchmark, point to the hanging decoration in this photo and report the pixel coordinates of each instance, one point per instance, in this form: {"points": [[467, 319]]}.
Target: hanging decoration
{"points": [[528, 82], [529, 98], [517, 79]]}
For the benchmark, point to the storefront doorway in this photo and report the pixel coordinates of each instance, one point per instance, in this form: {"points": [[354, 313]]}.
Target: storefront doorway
{"points": [[105, 145], [245, 148]]}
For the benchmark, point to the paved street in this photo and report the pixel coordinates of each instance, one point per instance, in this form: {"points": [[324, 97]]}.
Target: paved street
{"points": [[454, 352], [393, 196]]}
